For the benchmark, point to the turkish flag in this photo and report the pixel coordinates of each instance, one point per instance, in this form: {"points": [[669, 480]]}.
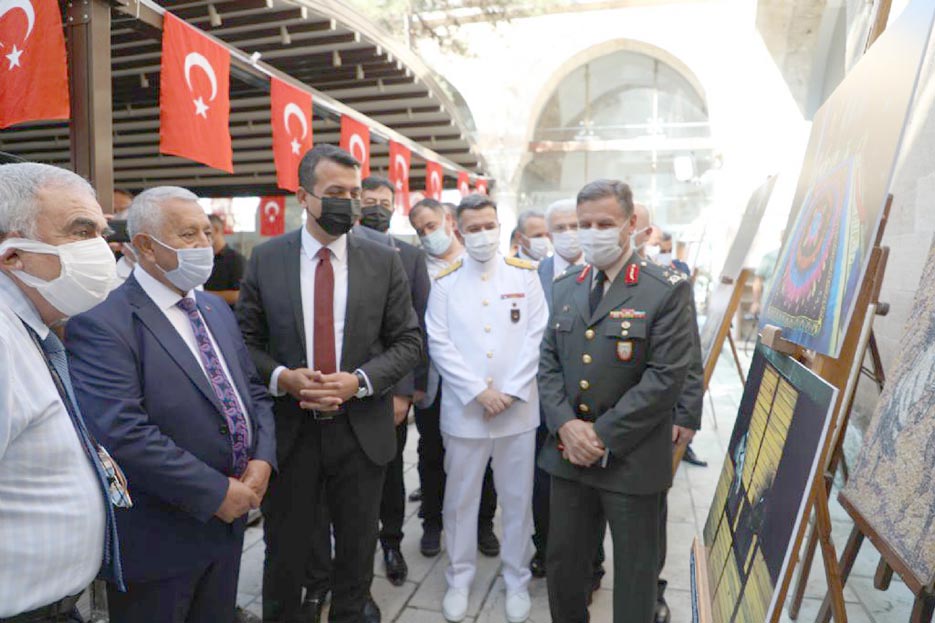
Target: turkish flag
{"points": [[194, 96], [355, 139], [481, 187], [33, 66], [400, 157], [464, 185], [434, 180], [291, 113], [272, 216]]}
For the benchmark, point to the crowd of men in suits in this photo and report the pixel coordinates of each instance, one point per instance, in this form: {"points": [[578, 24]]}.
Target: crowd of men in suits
{"points": [[141, 424]]}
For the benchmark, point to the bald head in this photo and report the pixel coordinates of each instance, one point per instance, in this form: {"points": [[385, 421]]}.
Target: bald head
{"points": [[643, 228]]}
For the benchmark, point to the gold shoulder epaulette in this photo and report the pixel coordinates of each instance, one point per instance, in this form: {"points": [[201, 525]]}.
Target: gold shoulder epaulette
{"points": [[520, 263], [452, 268]]}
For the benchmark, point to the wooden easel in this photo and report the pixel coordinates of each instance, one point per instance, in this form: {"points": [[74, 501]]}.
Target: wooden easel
{"points": [[839, 373]]}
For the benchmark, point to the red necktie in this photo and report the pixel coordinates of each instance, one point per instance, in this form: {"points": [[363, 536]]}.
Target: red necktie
{"points": [[324, 350]]}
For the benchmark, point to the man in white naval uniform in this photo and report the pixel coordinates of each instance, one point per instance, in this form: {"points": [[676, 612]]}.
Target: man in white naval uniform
{"points": [[485, 320]]}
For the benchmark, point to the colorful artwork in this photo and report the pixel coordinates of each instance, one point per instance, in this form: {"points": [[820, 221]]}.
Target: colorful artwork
{"points": [[749, 225], [891, 485], [843, 186], [758, 507]]}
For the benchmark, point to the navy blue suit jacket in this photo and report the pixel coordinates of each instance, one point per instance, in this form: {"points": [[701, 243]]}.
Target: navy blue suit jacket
{"points": [[546, 272], [146, 399]]}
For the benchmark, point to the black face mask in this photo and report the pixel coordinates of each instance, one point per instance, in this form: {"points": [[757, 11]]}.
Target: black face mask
{"points": [[338, 215], [375, 217]]}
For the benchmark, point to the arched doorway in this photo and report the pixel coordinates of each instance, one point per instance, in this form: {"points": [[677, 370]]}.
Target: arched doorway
{"points": [[628, 115]]}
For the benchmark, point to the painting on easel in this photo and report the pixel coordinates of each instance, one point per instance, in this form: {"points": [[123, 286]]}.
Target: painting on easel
{"points": [[891, 485], [842, 189], [756, 517], [746, 232]]}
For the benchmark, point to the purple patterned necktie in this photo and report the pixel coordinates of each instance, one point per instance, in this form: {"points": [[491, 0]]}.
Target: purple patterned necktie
{"points": [[223, 389]]}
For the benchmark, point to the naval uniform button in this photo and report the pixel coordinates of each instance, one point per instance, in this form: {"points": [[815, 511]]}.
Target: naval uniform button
{"points": [[485, 302], [586, 358], [583, 408], [484, 277], [589, 334], [489, 354], [487, 329], [584, 384], [625, 324], [490, 380]]}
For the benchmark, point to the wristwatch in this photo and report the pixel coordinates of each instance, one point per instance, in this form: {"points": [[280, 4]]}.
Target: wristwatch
{"points": [[362, 391]]}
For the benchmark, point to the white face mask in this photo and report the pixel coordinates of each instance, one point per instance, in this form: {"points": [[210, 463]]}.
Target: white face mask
{"points": [[652, 250], [195, 266], [437, 242], [663, 259], [539, 248], [483, 245], [567, 244], [87, 275], [601, 246], [638, 247]]}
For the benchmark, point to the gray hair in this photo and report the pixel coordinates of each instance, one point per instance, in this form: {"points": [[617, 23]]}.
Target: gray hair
{"points": [[146, 212], [20, 183], [562, 206], [525, 216]]}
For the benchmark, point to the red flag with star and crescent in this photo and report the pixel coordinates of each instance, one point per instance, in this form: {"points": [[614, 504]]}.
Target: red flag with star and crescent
{"points": [[464, 184], [434, 180], [481, 187], [272, 216], [194, 97], [355, 139], [400, 157], [33, 65], [291, 113]]}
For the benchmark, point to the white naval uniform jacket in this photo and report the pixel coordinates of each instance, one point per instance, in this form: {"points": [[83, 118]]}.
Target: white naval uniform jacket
{"points": [[485, 323]]}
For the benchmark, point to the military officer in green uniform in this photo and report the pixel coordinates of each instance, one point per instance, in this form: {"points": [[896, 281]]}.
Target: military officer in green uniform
{"points": [[615, 355]]}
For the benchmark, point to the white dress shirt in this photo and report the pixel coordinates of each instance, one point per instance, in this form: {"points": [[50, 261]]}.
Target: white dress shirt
{"points": [[308, 263], [167, 301], [475, 343], [51, 504]]}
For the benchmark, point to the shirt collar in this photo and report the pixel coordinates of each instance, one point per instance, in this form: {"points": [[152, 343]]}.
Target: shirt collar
{"points": [[617, 266], [163, 296], [561, 264], [311, 246], [17, 301]]}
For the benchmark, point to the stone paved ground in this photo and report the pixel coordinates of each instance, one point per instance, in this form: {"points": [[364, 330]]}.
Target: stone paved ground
{"points": [[419, 600]]}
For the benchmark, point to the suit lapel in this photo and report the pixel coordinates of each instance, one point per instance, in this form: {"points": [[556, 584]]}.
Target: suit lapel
{"points": [[293, 272], [166, 335], [580, 298], [356, 279]]}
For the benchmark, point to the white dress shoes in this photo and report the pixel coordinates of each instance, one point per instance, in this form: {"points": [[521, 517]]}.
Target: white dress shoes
{"points": [[517, 607], [455, 604]]}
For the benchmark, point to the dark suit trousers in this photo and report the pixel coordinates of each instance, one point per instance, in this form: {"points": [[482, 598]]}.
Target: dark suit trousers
{"points": [[576, 525], [393, 501], [432, 470], [206, 594], [326, 457]]}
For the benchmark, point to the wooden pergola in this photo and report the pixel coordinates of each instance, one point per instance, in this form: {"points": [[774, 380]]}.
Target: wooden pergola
{"points": [[322, 46]]}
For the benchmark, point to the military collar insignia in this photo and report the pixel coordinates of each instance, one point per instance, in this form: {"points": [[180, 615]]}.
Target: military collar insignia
{"points": [[584, 274], [632, 276]]}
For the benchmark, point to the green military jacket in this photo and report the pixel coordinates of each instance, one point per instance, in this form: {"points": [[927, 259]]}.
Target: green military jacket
{"points": [[622, 368]]}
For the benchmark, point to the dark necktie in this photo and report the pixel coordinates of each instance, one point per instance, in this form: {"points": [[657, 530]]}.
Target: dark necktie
{"points": [[54, 350], [222, 386], [597, 292], [324, 350]]}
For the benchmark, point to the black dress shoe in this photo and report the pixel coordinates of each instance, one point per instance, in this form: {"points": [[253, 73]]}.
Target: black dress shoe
{"points": [[487, 542], [662, 614], [537, 566], [396, 568], [416, 496], [692, 459], [431, 543], [310, 612], [371, 611]]}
